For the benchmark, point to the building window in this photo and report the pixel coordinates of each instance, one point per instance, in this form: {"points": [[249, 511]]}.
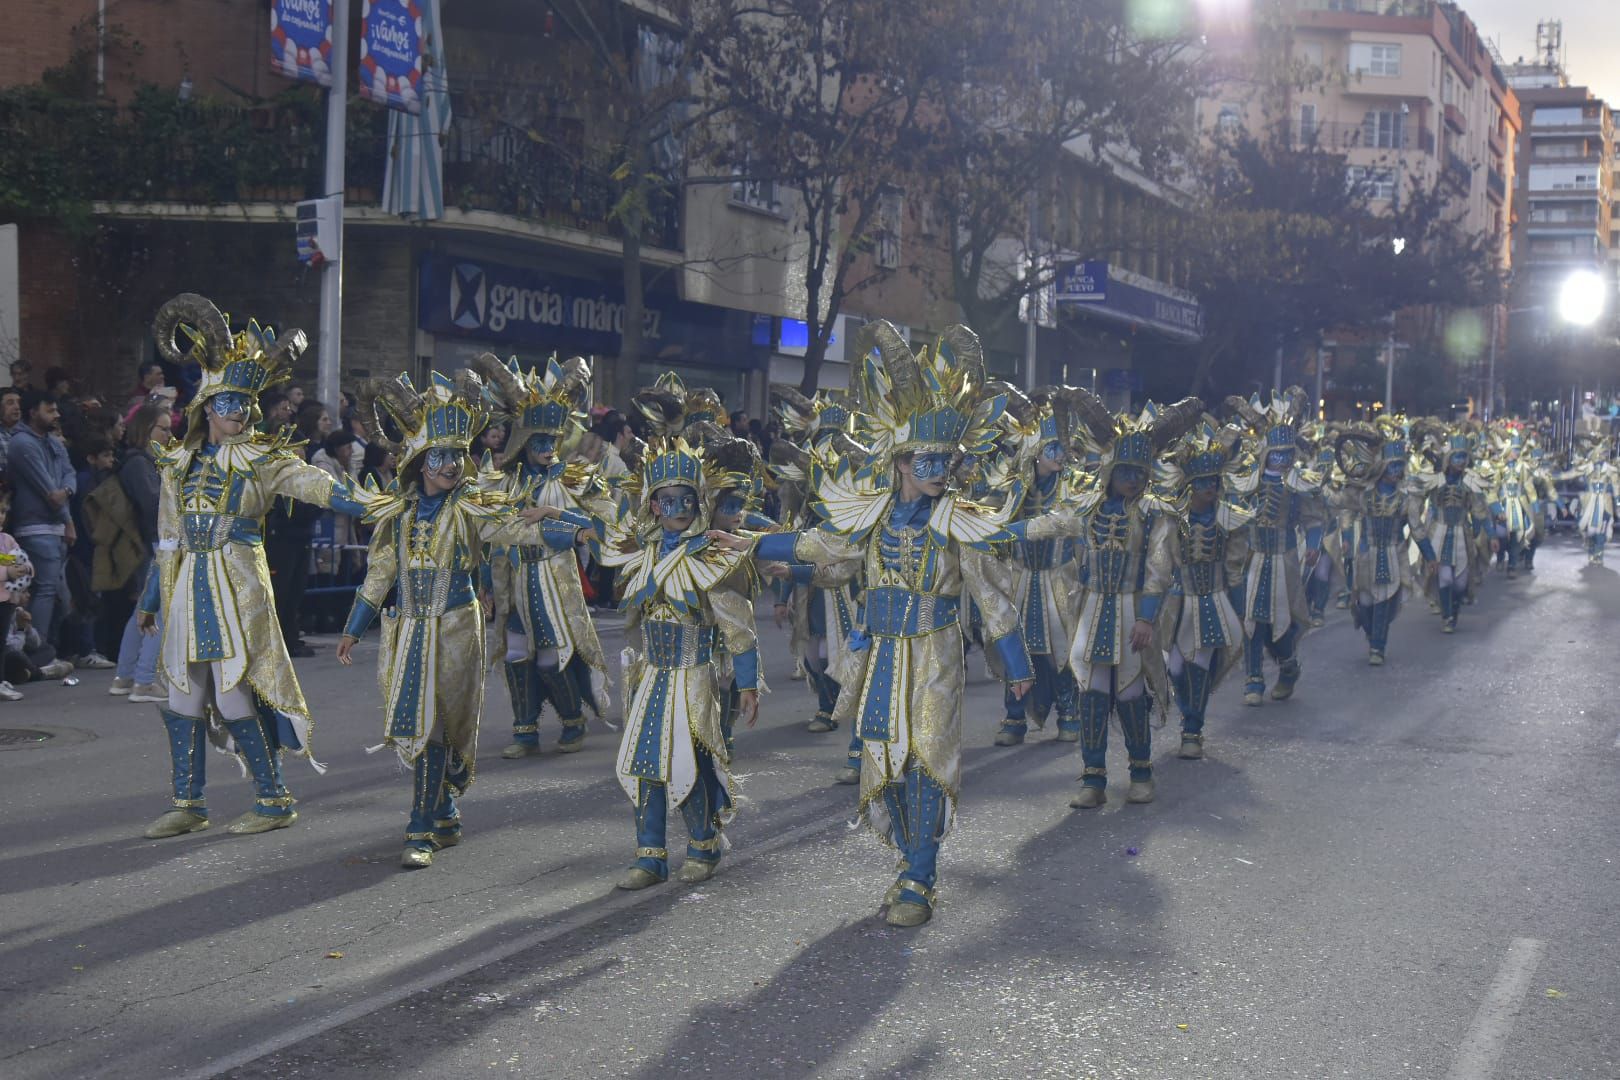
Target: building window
{"points": [[1311, 53], [890, 212], [1367, 58], [748, 189], [1307, 123], [1376, 184], [1383, 128]]}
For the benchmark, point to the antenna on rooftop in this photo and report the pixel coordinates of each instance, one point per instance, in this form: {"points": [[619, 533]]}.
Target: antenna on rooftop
{"points": [[1550, 44]]}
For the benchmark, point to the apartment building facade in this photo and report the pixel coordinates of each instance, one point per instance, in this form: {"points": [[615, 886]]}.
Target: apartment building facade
{"points": [[525, 258]]}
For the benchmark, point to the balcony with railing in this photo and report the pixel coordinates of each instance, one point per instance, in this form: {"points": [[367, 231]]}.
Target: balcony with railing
{"points": [[62, 156], [1339, 136], [1496, 186], [1458, 171]]}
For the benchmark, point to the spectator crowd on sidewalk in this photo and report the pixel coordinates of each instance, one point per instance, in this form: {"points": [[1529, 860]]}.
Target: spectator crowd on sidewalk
{"points": [[79, 497]]}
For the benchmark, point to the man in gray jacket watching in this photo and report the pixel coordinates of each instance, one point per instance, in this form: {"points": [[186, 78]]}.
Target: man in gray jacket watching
{"points": [[42, 482]]}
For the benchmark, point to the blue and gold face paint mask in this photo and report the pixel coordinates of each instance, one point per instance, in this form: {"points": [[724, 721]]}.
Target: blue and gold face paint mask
{"points": [[442, 459], [930, 466], [1052, 451], [1206, 485], [730, 505], [675, 502], [230, 405], [541, 444]]}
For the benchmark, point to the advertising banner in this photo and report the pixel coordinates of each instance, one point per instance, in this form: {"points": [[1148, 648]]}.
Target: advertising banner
{"points": [[516, 306], [392, 54], [301, 40]]}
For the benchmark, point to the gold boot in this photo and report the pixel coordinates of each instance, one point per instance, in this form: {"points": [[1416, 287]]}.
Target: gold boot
{"points": [[1192, 747], [638, 878], [176, 822], [1140, 791], [415, 858], [1089, 798], [907, 914], [254, 822], [519, 750], [693, 871], [849, 775]]}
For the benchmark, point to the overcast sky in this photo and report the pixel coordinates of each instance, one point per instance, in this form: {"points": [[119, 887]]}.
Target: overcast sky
{"points": [[1591, 36]]}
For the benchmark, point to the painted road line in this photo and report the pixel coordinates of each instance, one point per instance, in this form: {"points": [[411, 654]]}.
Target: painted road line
{"points": [[1482, 1046]]}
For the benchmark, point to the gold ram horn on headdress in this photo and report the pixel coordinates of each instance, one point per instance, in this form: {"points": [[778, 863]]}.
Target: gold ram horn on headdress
{"points": [[967, 350], [499, 378], [1174, 421], [200, 314], [1238, 406], [371, 419], [1091, 412], [402, 402]]}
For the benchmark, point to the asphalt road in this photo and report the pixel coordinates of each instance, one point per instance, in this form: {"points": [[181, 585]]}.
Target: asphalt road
{"points": [[1403, 872]]}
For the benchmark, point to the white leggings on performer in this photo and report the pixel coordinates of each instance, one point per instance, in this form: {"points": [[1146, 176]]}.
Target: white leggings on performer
{"points": [[1450, 577], [1201, 657], [1100, 675], [234, 704]]}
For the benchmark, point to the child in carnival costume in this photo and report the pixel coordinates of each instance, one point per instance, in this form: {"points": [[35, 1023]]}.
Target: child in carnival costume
{"points": [[1285, 500], [552, 653], [738, 486], [1036, 468], [922, 547], [1200, 630], [683, 595], [1594, 465], [1453, 518], [1513, 498], [1127, 536], [428, 545], [1385, 511], [1316, 445], [820, 604], [222, 653]]}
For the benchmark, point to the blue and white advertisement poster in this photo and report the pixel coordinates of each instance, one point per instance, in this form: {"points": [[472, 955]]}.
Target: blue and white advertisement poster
{"points": [[301, 40], [392, 54]]}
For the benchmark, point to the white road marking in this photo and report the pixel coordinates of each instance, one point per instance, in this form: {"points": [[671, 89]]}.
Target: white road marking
{"points": [[1485, 1040], [1245, 862]]}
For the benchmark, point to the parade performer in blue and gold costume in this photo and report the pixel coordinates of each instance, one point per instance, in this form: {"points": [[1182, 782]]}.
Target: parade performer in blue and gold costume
{"points": [[1284, 500], [1200, 630], [552, 654], [1453, 520], [1035, 464], [1384, 511], [428, 545], [818, 602], [1594, 465], [222, 653], [921, 546], [1127, 535], [684, 596]]}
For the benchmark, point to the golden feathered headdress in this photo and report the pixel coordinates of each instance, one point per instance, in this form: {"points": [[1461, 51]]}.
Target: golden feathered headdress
{"points": [[932, 400], [245, 362]]}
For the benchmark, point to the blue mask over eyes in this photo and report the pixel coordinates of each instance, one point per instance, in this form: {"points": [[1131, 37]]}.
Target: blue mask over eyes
{"points": [[1395, 472], [230, 404], [1206, 484], [730, 505], [1052, 451], [1278, 460], [1458, 459], [930, 466], [439, 458], [675, 502], [1130, 474], [542, 444]]}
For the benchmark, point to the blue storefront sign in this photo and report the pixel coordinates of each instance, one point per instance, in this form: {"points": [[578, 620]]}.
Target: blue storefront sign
{"points": [[1082, 283], [301, 40], [392, 54], [1123, 301], [513, 305]]}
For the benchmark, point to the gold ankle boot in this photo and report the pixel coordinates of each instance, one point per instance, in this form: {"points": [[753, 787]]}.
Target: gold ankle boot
{"points": [[176, 822]]}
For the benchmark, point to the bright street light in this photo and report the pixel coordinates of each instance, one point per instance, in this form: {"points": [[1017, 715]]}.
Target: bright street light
{"points": [[1581, 297]]}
